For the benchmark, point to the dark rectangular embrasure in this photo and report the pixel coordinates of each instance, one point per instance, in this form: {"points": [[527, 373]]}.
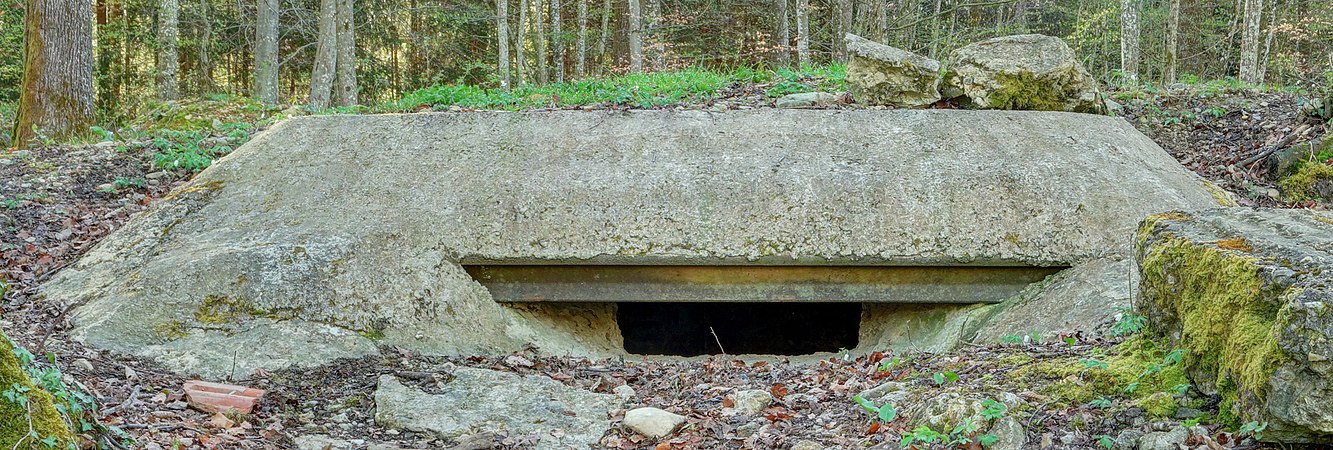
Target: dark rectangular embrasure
{"points": [[725, 283], [693, 329]]}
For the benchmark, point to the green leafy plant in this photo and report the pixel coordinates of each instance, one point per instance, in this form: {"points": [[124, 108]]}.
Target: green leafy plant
{"points": [[1100, 402], [1128, 323], [922, 434], [1105, 441], [1011, 339], [945, 377], [883, 413], [993, 410], [888, 364], [1092, 363], [1190, 423], [1253, 429]]}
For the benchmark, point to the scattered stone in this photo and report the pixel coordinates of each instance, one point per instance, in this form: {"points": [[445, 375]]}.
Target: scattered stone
{"points": [[753, 401], [881, 75], [1085, 299], [807, 100], [1027, 72], [221, 398], [321, 442], [1186, 413], [1009, 434], [806, 444], [1173, 439], [486, 401], [652, 422], [83, 364], [479, 441], [624, 391], [1128, 439], [1248, 292]]}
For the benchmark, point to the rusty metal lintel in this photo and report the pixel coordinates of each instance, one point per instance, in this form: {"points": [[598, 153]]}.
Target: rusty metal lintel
{"points": [[717, 283]]}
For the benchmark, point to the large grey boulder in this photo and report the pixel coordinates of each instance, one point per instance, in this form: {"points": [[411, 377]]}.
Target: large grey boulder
{"points": [[329, 236], [878, 74], [1028, 72], [1249, 294], [1086, 298], [486, 401]]}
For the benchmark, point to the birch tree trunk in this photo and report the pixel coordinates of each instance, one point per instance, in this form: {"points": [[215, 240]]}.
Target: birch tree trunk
{"points": [[346, 92], [204, 76], [266, 52], [1129, 38], [784, 35], [557, 43], [326, 55], [1172, 40], [543, 71], [635, 37], [581, 68], [1267, 54], [168, 59], [803, 32], [1249, 42], [57, 88], [502, 40]]}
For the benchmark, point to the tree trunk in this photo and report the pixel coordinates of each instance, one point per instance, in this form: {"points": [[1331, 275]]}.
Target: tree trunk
{"points": [[346, 92], [803, 32], [652, 35], [326, 55], [543, 71], [635, 37], [502, 40], [57, 86], [1129, 38], [168, 60], [1172, 40], [844, 26], [784, 35], [557, 43], [581, 68], [606, 34], [520, 55], [1268, 43], [1249, 42], [204, 75], [882, 21], [266, 52]]}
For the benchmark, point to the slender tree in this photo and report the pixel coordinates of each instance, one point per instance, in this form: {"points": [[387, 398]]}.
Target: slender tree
{"points": [[520, 54], [803, 32], [502, 39], [581, 68], [266, 52], [1249, 42], [606, 34], [1172, 40], [844, 21], [326, 55], [168, 60], [1129, 38], [557, 43], [346, 88], [784, 34], [57, 85], [543, 70], [635, 37], [204, 45]]}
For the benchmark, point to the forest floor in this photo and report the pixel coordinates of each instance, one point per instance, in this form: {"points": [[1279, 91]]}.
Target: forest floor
{"points": [[57, 201]]}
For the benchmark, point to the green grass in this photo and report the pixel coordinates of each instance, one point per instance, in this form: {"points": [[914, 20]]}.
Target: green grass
{"points": [[641, 90]]}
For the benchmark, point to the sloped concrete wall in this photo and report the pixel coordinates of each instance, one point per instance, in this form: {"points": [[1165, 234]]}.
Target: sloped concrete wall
{"points": [[325, 236]]}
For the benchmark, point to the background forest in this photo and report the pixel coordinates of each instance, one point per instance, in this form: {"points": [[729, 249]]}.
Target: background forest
{"points": [[404, 45]]}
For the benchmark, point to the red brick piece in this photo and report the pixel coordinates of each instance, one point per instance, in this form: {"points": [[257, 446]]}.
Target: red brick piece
{"points": [[220, 398]]}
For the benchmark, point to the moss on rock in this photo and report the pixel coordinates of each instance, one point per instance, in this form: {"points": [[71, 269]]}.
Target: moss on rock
{"points": [[1313, 181], [1137, 371], [1024, 91], [28, 416]]}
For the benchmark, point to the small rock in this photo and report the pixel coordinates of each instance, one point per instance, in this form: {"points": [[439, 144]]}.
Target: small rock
{"points": [[1047, 440], [1009, 434], [806, 100], [157, 175], [83, 365], [1187, 413], [624, 391], [479, 441], [753, 401], [1164, 440], [652, 422], [321, 442], [806, 444], [220, 398], [881, 75], [747, 430], [1128, 439]]}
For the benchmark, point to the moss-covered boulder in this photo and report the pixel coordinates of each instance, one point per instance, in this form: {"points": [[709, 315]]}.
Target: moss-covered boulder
{"points": [[28, 416], [1249, 294], [1027, 72], [1313, 181], [881, 75]]}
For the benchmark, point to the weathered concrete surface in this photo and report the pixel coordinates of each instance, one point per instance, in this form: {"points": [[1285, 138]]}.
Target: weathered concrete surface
{"points": [[487, 401], [878, 74], [1249, 294], [1027, 71], [360, 222], [1086, 298]]}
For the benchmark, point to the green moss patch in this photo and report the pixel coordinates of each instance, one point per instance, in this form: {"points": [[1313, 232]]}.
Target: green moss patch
{"points": [[1216, 296], [1137, 371], [1024, 91], [29, 419], [1304, 184]]}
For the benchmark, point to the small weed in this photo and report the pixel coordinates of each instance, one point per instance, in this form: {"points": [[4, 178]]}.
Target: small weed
{"points": [[1253, 429], [1105, 441], [993, 410], [1100, 403], [1090, 363], [945, 377], [1128, 323], [883, 413]]}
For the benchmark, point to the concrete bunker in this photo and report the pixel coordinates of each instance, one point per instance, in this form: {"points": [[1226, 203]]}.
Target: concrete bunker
{"points": [[336, 236], [693, 310]]}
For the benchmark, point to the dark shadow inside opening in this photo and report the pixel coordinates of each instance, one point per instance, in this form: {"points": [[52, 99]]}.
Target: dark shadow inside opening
{"points": [[687, 329]]}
